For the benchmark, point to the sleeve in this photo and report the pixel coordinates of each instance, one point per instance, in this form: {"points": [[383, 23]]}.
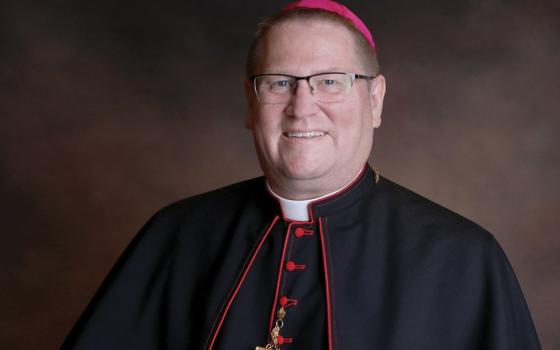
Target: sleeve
{"points": [[507, 321]]}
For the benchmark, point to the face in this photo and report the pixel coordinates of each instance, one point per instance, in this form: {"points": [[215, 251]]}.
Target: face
{"points": [[308, 148]]}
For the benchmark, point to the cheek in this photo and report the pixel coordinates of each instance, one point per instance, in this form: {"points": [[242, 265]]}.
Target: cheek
{"points": [[266, 131], [347, 122], [268, 119], [352, 130], [263, 130]]}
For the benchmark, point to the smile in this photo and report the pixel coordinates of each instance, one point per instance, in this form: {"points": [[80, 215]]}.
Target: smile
{"points": [[305, 134]]}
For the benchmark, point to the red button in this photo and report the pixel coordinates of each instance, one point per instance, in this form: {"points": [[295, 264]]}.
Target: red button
{"points": [[300, 232], [287, 302], [281, 340], [291, 266]]}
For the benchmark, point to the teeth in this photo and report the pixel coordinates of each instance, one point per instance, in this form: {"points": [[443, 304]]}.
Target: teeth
{"points": [[305, 134]]}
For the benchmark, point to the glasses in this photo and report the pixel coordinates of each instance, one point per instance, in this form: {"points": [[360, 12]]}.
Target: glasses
{"points": [[325, 87]]}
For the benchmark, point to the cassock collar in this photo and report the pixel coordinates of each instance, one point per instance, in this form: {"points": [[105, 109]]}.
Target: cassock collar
{"points": [[308, 210]]}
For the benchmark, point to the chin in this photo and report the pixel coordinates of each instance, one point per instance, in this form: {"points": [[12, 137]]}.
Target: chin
{"points": [[304, 170]]}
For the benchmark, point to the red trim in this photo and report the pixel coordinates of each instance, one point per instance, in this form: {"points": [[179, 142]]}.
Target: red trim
{"points": [[327, 289], [238, 284], [311, 204], [333, 285], [280, 269], [269, 190], [337, 193]]}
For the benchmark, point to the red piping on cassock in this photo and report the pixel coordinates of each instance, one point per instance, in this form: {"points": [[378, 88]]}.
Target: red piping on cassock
{"points": [[237, 285], [327, 289]]}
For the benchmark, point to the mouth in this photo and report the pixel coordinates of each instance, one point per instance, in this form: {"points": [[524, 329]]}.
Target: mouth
{"points": [[304, 134]]}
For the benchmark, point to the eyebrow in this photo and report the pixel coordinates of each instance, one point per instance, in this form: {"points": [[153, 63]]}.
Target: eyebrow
{"points": [[313, 72]]}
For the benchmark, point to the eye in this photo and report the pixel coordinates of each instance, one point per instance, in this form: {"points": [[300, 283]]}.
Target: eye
{"points": [[329, 85], [280, 84]]}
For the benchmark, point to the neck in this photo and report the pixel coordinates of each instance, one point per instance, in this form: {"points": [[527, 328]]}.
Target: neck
{"points": [[309, 189], [298, 209]]}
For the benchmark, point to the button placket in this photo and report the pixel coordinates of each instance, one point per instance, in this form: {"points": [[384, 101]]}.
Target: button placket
{"points": [[292, 265]]}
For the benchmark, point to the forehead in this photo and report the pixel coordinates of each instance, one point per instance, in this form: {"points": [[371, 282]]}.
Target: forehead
{"points": [[308, 46]]}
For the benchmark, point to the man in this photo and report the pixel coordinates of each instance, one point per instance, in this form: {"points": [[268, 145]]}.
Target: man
{"points": [[322, 252]]}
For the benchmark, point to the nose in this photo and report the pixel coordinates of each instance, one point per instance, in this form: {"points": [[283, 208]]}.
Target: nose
{"points": [[302, 103]]}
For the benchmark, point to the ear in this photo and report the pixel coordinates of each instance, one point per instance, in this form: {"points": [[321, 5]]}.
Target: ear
{"points": [[376, 95], [249, 97]]}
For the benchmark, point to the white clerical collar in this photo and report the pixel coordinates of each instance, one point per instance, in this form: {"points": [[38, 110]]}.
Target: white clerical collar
{"points": [[297, 210]]}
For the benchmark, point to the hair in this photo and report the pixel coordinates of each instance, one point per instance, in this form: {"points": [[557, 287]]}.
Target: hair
{"points": [[366, 54]]}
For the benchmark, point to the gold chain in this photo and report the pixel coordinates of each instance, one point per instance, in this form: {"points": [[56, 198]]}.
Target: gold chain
{"points": [[375, 173], [280, 314]]}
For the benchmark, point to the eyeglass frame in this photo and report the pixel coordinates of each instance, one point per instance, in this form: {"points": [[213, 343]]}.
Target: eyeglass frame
{"points": [[353, 77]]}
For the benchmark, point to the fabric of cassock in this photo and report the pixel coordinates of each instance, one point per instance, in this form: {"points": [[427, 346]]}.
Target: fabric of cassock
{"points": [[376, 267]]}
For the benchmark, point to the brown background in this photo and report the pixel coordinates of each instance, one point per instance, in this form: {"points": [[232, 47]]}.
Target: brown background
{"points": [[112, 109]]}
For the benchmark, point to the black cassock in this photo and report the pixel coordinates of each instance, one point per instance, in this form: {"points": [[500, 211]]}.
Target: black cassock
{"points": [[377, 267]]}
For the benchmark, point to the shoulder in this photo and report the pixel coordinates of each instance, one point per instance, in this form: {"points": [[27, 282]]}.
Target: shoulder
{"points": [[418, 219], [197, 221], [426, 236], [208, 209], [221, 199]]}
